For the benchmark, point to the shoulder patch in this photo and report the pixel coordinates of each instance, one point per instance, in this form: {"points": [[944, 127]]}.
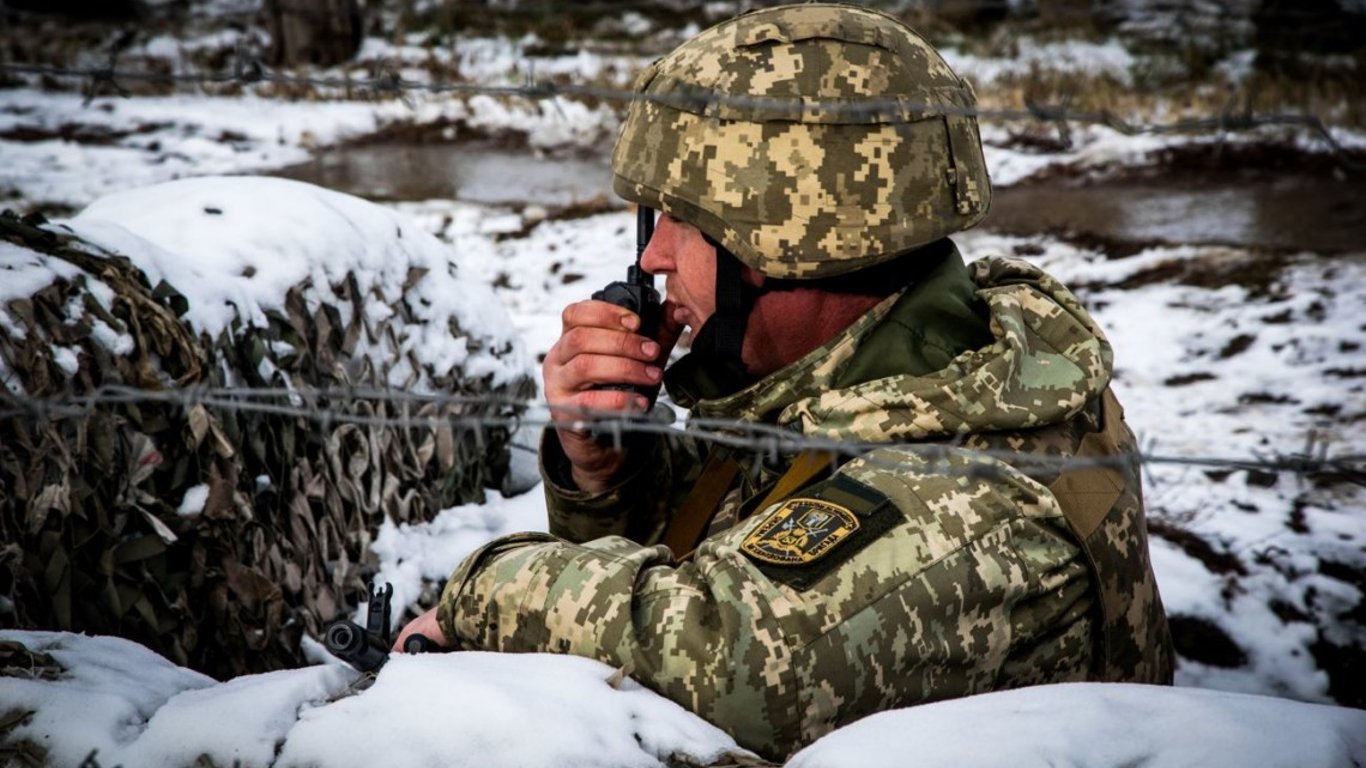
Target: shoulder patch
{"points": [[807, 536], [799, 531]]}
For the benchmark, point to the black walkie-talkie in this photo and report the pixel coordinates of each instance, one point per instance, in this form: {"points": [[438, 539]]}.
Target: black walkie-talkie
{"points": [[637, 292]]}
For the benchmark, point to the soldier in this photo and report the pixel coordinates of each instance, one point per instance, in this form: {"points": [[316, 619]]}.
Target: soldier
{"points": [[802, 235]]}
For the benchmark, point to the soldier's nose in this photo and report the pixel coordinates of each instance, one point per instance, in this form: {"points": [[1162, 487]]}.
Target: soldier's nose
{"points": [[655, 259]]}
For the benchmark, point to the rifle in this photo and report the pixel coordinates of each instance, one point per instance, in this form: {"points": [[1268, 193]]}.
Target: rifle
{"points": [[367, 648]]}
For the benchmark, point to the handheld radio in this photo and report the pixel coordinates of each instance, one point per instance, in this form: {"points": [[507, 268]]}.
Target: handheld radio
{"points": [[637, 292]]}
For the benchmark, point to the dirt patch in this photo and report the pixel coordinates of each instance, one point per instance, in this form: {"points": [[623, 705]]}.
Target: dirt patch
{"points": [[1298, 521], [1237, 345], [77, 133], [1265, 398], [440, 131], [1287, 612], [47, 210], [1199, 160], [1111, 246], [1188, 378], [1258, 478], [1344, 572], [1258, 271], [1195, 546], [1345, 373], [1346, 668], [1202, 641]]}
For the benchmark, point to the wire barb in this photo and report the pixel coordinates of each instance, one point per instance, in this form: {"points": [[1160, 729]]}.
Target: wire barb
{"points": [[402, 409]]}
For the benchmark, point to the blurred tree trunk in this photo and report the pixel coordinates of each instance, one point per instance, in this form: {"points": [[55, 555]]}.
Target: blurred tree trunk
{"points": [[321, 32]]}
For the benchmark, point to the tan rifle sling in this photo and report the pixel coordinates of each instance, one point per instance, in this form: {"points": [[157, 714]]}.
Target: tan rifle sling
{"points": [[686, 530], [698, 507]]}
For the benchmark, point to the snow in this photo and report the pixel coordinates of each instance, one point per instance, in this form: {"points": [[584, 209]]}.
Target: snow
{"points": [[193, 501], [487, 710], [155, 139], [1109, 59], [234, 246], [504, 272], [163, 138], [132, 707], [26, 272], [484, 710], [1099, 725], [408, 554]]}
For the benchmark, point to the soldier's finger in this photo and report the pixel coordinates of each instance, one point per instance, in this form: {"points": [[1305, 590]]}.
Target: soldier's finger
{"points": [[425, 625], [598, 314], [597, 403], [586, 372], [592, 371], [583, 340]]}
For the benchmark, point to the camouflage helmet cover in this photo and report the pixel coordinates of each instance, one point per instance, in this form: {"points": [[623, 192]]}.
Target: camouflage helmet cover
{"points": [[810, 140]]}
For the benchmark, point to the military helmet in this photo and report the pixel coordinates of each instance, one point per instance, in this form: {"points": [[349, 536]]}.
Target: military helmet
{"points": [[809, 140]]}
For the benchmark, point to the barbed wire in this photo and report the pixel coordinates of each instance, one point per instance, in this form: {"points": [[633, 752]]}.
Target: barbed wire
{"points": [[511, 414], [248, 70]]}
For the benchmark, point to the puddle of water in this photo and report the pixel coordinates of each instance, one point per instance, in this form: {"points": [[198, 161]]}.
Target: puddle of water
{"points": [[1280, 211], [468, 172]]}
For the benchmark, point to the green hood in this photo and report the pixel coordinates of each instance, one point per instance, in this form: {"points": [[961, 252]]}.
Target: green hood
{"points": [[1037, 359]]}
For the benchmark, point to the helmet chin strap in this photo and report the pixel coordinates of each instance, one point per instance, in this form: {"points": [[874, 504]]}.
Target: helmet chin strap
{"points": [[734, 301], [714, 367]]}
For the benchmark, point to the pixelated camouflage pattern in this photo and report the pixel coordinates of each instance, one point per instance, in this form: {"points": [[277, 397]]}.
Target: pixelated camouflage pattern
{"points": [[976, 589], [90, 535], [983, 585], [1049, 360], [810, 140]]}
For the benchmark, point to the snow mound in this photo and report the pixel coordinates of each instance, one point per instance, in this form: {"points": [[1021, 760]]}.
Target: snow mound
{"points": [[234, 246], [489, 710], [132, 707], [1103, 726]]}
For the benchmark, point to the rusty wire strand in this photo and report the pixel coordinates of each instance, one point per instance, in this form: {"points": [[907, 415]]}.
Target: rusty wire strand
{"points": [[313, 404], [423, 411]]}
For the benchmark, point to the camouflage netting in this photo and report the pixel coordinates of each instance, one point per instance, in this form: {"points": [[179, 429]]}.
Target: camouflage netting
{"points": [[213, 535]]}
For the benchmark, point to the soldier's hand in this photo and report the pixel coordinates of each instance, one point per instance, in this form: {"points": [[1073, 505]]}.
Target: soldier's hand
{"points": [[599, 345], [425, 625]]}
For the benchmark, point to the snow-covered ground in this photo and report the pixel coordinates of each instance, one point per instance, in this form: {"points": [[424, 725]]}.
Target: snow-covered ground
{"points": [[1221, 352], [130, 707]]}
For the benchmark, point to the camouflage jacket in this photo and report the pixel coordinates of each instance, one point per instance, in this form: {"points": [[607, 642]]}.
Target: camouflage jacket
{"points": [[924, 569]]}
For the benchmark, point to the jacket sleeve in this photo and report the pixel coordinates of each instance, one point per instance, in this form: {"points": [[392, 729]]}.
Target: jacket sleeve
{"points": [[972, 587], [638, 506]]}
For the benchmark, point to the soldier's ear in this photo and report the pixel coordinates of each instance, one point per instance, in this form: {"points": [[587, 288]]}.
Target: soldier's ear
{"points": [[752, 276]]}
